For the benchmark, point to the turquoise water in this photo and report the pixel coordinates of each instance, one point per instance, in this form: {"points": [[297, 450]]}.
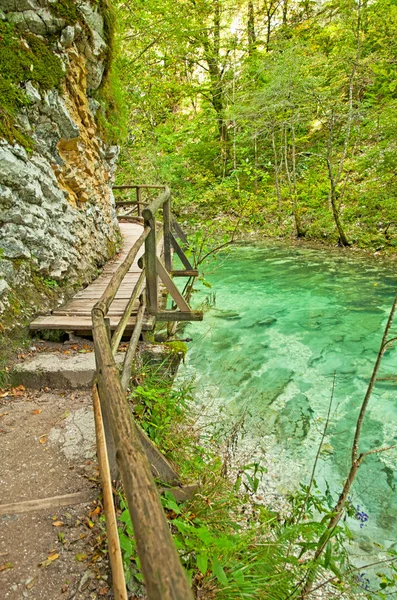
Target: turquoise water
{"points": [[284, 320]]}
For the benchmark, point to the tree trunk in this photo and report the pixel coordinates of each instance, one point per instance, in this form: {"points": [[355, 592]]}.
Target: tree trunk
{"points": [[251, 28], [276, 174]]}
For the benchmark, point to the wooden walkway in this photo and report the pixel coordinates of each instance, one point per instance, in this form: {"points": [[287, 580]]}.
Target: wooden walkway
{"points": [[75, 315]]}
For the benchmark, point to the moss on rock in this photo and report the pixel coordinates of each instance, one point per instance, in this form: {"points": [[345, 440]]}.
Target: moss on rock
{"points": [[66, 9], [177, 348], [22, 60]]}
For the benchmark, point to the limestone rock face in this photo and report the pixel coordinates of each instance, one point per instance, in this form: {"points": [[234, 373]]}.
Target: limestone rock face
{"points": [[57, 215]]}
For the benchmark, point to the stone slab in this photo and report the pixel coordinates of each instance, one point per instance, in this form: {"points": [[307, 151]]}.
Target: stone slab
{"points": [[59, 371]]}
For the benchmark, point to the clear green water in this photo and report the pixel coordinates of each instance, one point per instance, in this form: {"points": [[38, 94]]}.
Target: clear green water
{"points": [[284, 321]]}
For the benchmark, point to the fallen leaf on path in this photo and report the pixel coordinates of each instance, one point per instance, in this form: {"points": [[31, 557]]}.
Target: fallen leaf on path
{"points": [[6, 566], [3, 414], [30, 583], [58, 523], [62, 417], [43, 439], [89, 523], [80, 557], [49, 560], [103, 591], [18, 391], [36, 412]]}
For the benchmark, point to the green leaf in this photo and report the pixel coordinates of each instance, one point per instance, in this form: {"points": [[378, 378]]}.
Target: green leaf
{"points": [[204, 535], [202, 563], [327, 557], [126, 518], [170, 503], [126, 545], [218, 571]]}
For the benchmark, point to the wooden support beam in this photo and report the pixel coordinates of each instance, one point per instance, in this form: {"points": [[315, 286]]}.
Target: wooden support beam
{"points": [[150, 211], [171, 287], [167, 233], [132, 346], [151, 266], [185, 273], [181, 493], [179, 231], [139, 200], [182, 256], [144, 186], [130, 219], [46, 503], [161, 468], [118, 334]]}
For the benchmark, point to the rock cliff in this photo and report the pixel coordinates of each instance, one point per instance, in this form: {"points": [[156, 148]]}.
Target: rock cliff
{"points": [[57, 217]]}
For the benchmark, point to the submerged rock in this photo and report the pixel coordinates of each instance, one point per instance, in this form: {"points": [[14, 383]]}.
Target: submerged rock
{"points": [[229, 315], [293, 421], [267, 322]]}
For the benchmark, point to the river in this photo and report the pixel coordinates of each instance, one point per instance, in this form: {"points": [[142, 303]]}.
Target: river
{"points": [[285, 319]]}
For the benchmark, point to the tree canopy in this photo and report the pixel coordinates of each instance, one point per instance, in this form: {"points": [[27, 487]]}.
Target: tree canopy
{"points": [[279, 113]]}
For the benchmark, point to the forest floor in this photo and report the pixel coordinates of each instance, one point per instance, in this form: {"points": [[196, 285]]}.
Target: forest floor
{"points": [[47, 449]]}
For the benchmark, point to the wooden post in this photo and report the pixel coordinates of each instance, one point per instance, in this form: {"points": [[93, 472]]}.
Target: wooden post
{"points": [[132, 346], [139, 199], [107, 323], [162, 571], [110, 447], [167, 233], [116, 561], [151, 266]]}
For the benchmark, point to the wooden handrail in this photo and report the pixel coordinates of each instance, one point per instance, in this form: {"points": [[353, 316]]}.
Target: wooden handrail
{"points": [[107, 297], [162, 570], [150, 211], [138, 188], [137, 457], [161, 567], [134, 187]]}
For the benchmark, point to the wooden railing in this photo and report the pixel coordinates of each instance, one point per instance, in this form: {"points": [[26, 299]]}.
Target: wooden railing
{"points": [[121, 443], [139, 203]]}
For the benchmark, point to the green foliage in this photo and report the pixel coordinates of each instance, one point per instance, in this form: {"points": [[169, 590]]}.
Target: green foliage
{"points": [[286, 109], [230, 547], [177, 348], [21, 60], [112, 114], [51, 283], [66, 9], [157, 406]]}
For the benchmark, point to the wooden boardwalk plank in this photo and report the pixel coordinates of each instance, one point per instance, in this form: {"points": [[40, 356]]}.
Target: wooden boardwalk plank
{"points": [[82, 323], [75, 315]]}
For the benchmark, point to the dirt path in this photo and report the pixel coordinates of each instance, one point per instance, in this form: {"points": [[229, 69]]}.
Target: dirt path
{"points": [[47, 449]]}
